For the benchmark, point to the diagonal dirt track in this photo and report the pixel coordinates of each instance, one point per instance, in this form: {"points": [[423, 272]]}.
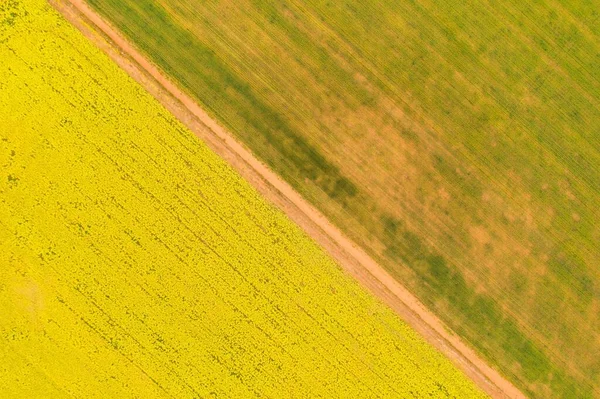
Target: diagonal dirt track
{"points": [[352, 258]]}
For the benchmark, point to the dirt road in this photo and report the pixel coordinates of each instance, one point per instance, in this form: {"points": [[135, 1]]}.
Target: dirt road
{"points": [[348, 255]]}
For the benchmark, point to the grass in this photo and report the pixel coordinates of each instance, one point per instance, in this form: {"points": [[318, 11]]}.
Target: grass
{"points": [[136, 263], [458, 143]]}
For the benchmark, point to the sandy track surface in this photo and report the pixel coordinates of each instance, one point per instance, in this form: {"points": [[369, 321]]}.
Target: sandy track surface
{"points": [[349, 256]]}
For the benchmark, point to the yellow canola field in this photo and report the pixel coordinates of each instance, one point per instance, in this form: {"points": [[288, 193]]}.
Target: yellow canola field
{"points": [[135, 263]]}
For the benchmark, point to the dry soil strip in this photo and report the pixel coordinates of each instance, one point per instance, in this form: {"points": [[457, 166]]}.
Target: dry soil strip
{"points": [[353, 259]]}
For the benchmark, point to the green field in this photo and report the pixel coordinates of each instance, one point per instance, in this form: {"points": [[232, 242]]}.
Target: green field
{"points": [[458, 143], [136, 263]]}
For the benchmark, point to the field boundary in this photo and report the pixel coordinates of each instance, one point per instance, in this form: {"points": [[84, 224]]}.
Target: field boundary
{"points": [[347, 254]]}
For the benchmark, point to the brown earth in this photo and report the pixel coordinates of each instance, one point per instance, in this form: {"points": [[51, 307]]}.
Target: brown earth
{"points": [[349, 256]]}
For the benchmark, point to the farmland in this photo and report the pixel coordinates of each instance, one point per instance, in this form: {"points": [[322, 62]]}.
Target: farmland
{"points": [[136, 263], [458, 143]]}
